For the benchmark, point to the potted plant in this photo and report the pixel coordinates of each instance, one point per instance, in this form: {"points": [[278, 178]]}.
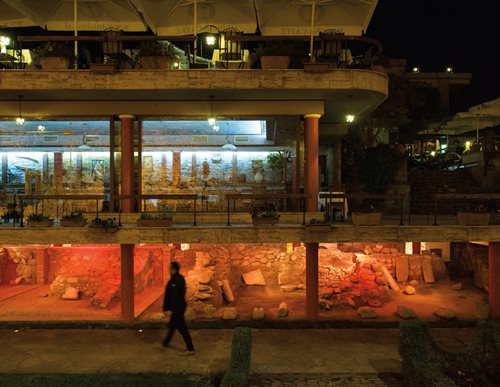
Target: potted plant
{"points": [[39, 221], [316, 225], [367, 215], [162, 218], [55, 56], [73, 219], [108, 225], [477, 216], [278, 162], [156, 55], [273, 56], [265, 215]]}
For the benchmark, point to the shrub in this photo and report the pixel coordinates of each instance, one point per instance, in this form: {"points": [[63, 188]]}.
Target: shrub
{"points": [[241, 355]]}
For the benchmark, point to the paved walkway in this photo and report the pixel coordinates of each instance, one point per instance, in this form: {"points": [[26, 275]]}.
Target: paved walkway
{"points": [[287, 357]]}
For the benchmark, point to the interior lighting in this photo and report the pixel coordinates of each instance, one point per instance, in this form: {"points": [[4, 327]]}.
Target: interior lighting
{"points": [[210, 40], [449, 69], [433, 153], [416, 70], [41, 128], [4, 42], [467, 145]]}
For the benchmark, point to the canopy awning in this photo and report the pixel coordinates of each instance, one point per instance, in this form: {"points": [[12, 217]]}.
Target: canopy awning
{"points": [[189, 17], [10, 17], [303, 17], [92, 15]]}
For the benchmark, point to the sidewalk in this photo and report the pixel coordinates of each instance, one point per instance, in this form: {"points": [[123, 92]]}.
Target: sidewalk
{"points": [[278, 354]]}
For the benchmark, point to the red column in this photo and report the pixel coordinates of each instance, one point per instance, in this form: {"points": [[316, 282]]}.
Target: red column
{"points": [[127, 282], [58, 172], [312, 291], [311, 128], [416, 246], [127, 162], [494, 279]]}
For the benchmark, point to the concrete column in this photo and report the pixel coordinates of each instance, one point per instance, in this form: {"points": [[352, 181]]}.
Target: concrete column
{"points": [[176, 168], [312, 290], [494, 279], [27, 182], [312, 165], [127, 282], [58, 172], [127, 162], [337, 164], [5, 168]]}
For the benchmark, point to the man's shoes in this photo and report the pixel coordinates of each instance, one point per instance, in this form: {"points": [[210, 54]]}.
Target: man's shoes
{"points": [[187, 353]]}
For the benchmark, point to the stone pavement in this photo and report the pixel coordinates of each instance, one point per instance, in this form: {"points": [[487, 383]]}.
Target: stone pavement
{"points": [[281, 357]]}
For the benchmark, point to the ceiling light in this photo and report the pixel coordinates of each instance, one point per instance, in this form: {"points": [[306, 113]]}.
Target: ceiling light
{"points": [[20, 119], [350, 118], [230, 147], [41, 128], [211, 121]]}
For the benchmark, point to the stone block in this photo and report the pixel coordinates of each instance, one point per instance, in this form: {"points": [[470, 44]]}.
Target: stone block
{"points": [[402, 268], [406, 312], [258, 313], [445, 313], [229, 314], [71, 293], [189, 314], [427, 271], [283, 310], [254, 277], [367, 313]]}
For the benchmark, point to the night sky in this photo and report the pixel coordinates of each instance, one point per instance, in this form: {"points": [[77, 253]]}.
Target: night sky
{"points": [[434, 34]]}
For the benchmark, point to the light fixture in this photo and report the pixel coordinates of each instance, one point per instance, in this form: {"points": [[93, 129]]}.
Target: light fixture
{"points": [[433, 153], [211, 119], [210, 40], [449, 69], [20, 119], [176, 65], [4, 42], [350, 117], [467, 145], [41, 128], [416, 69]]}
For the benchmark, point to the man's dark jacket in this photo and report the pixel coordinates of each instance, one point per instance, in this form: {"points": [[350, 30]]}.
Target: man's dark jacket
{"points": [[175, 294]]}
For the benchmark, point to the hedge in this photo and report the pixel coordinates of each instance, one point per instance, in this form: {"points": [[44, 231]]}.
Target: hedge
{"points": [[241, 356], [425, 363]]}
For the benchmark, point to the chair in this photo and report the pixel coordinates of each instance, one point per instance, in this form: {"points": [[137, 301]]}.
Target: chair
{"points": [[330, 47], [112, 49], [231, 49]]}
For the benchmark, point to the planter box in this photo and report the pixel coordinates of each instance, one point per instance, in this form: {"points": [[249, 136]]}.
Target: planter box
{"points": [[274, 62], [103, 229], [103, 68], [366, 219], [264, 221], [318, 227], [73, 223], [473, 218], [54, 63], [154, 222], [41, 224], [156, 63]]}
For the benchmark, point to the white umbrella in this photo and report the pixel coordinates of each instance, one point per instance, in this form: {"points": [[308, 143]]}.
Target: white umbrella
{"points": [[188, 17], [10, 17], [93, 15], [309, 17]]}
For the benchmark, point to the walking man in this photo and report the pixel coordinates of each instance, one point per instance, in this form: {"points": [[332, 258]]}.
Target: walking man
{"points": [[175, 302]]}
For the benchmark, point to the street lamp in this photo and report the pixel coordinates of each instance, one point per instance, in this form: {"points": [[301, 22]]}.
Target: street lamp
{"points": [[4, 42]]}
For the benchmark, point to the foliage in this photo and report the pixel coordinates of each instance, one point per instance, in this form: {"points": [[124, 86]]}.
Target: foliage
{"points": [[52, 49], [164, 211], [425, 363], [277, 160], [105, 223], [318, 221], [479, 209], [265, 211], [102, 380], [75, 215], [378, 167], [156, 48], [37, 217], [239, 364]]}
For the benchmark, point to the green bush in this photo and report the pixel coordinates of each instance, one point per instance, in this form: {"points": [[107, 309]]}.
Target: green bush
{"points": [[241, 356], [427, 374]]}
